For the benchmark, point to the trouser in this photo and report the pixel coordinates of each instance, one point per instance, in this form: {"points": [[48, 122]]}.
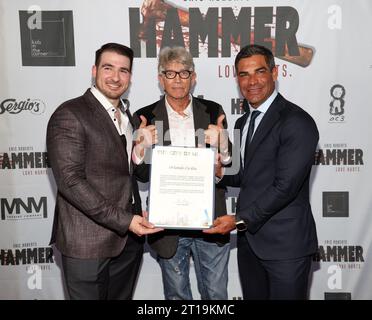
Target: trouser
{"points": [[107, 278], [271, 279], [211, 268]]}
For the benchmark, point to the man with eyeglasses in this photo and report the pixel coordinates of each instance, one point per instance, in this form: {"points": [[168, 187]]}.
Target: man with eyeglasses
{"points": [[182, 116]]}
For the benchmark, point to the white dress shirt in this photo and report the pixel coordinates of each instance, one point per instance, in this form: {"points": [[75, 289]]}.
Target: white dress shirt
{"points": [[125, 126], [263, 109], [181, 127]]}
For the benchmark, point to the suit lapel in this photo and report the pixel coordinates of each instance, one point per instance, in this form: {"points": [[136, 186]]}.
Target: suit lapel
{"points": [[240, 123], [104, 119], [160, 114], [131, 120], [134, 128], [201, 119], [270, 118]]}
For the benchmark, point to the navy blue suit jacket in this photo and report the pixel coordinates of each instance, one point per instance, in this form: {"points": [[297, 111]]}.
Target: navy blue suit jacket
{"points": [[274, 184]]}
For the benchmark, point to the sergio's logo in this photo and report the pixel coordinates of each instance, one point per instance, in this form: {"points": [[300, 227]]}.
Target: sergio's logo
{"points": [[14, 106]]}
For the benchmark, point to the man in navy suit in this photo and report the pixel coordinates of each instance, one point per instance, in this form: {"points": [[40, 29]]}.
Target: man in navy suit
{"points": [[276, 228]]}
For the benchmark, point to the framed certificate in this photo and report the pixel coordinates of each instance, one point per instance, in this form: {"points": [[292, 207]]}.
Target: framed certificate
{"points": [[182, 188]]}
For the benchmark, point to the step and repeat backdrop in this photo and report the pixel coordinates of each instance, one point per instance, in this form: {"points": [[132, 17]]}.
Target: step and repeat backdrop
{"points": [[324, 54]]}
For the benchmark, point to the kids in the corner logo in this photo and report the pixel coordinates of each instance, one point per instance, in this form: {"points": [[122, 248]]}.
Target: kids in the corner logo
{"points": [[47, 37], [337, 104]]}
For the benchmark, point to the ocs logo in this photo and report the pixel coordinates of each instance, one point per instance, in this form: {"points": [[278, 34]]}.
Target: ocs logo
{"points": [[337, 104]]}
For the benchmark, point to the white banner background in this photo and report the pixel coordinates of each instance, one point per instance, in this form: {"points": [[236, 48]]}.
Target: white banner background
{"points": [[337, 30]]}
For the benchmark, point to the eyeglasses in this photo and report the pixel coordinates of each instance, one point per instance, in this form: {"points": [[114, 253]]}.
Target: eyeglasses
{"points": [[170, 74]]}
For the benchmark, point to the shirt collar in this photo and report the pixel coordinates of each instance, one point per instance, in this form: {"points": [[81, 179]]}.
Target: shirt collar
{"points": [[265, 106], [104, 101], [188, 111]]}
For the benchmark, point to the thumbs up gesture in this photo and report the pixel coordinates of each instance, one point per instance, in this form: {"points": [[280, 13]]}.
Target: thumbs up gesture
{"points": [[144, 137], [216, 135], [143, 122]]}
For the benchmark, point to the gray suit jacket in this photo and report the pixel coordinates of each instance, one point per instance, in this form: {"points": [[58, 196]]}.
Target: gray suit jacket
{"points": [[205, 112], [94, 200]]}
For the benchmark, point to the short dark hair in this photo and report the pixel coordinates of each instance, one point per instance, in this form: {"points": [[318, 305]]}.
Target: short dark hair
{"points": [[255, 49], [115, 47]]}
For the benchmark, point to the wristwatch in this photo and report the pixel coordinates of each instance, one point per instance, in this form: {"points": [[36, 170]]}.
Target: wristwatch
{"points": [[240, 224]]}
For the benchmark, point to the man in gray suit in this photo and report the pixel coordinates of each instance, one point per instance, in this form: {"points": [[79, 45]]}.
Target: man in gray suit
{"points": [[98, 221], [183, 117]]}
